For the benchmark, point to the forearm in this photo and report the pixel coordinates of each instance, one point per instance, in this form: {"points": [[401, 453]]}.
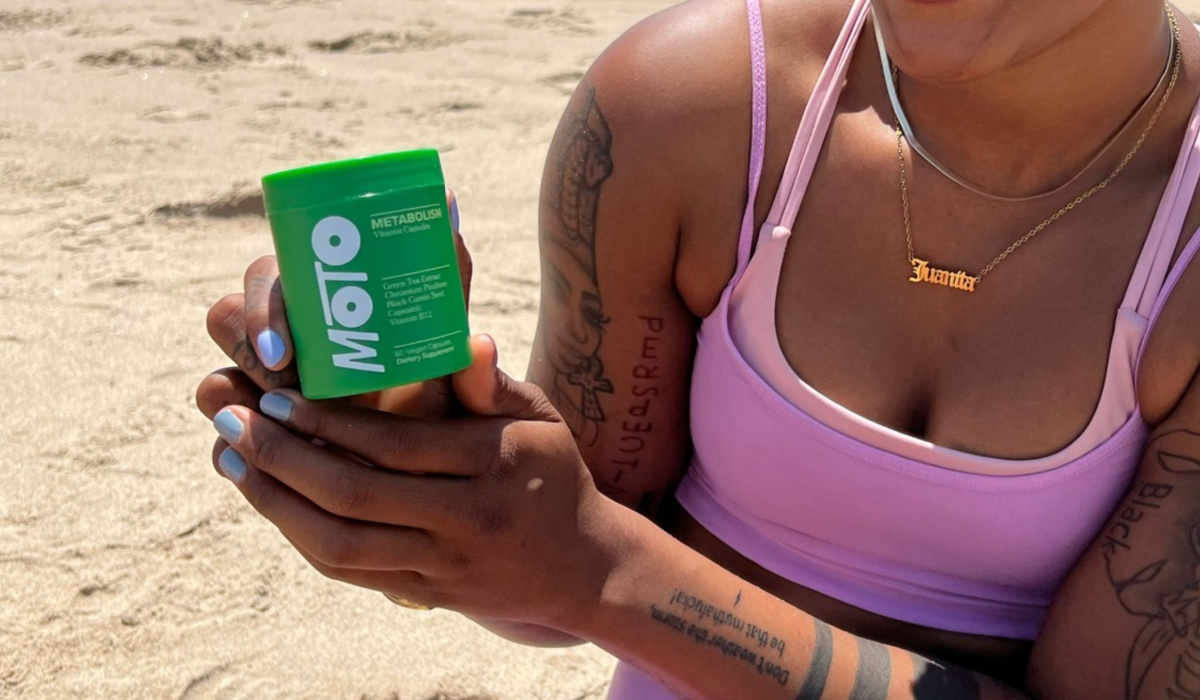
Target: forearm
{"points": [[528, 634], [707, 634]]}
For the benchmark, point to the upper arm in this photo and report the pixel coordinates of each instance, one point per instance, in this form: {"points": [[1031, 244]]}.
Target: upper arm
{"points": [[615, 339], [1126, 624]]}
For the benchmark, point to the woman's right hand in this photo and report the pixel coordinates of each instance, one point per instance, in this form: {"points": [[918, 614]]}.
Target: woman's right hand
{"points": [[252, 329]]}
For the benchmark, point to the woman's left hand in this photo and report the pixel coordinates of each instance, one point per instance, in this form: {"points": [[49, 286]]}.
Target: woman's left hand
{"points": [[493, 514]]}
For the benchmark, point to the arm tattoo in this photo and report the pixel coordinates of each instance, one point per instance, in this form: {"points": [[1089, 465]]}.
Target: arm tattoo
{"points": [[874, 671], [579, 377], [720, 630], [822, 661], [710, 625], [932, 680], [1164, 659]]}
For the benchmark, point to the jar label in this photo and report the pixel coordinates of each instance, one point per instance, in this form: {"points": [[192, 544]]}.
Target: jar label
{"points": [[373, 292]]}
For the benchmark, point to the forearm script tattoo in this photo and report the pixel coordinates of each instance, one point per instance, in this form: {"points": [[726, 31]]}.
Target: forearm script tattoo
{"points": [[724, 630], [1164, 660], [729, 632], [578, 325]]}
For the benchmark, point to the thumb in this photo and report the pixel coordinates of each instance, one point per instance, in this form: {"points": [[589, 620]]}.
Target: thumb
{"points": [[484, 390]]}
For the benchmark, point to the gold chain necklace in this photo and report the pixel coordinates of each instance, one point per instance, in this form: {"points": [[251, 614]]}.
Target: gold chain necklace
{"points": [[891, 78], [964, 281]]}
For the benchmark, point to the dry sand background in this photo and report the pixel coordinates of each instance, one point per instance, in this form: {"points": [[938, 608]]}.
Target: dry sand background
{"points": [[131, 135]]}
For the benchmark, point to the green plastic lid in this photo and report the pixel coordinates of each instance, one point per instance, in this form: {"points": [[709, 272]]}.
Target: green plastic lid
{"points": [[350, 179]]}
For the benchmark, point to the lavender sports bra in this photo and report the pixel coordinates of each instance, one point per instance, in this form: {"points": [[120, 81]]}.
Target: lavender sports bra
{"points": [[872, 517]]}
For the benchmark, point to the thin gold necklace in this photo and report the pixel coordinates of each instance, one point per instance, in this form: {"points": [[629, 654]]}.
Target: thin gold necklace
{"points": [[964, 281], [891, 79]]}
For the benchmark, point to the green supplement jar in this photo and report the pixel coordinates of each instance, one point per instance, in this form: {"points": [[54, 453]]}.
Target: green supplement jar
{"points": [[369, 272]]}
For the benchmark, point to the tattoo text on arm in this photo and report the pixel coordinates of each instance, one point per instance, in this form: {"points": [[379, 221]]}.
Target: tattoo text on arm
{"points": [[644, 378], [756, 648], [1164, 659], [723, 630]]}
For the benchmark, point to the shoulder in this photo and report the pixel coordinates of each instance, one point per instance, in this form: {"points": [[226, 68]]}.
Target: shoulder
{"points": [[1170, 365], [693, 59], [675, 91]]}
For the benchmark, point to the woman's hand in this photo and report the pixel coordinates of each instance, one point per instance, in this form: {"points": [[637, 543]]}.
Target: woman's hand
{"points": [[492, 514], [252, 329]]}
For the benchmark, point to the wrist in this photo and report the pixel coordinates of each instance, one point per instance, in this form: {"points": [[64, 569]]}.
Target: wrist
{"points": [[630, 544], [527, 633]]}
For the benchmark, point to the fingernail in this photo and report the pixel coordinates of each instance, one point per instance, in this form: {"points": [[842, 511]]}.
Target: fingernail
{"points": [[270, 348], [277, 406], [454, 214], [232, 465], [228, 426]]}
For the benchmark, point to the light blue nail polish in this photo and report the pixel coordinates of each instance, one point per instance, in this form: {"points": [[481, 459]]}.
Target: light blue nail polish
{"points": [[277, 406], [454, 214], [270, 348], [232, 465], [228, 426]]}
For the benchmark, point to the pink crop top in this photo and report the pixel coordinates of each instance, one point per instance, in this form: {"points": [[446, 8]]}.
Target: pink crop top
{"points": [[878, 519]]}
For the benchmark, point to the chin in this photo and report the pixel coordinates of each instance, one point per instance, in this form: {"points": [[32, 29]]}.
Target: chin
{"points": [[949, 41], [944, 67]]}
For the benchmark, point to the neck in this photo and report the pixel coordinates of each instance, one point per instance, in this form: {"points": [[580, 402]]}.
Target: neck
{"points": [[1032, 125]]}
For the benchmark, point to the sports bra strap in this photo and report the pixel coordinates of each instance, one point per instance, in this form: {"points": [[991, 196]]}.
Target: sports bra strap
{"points": [[1160, 279], [818, 114], [1146, 286], [1181, 265], [758, 133]]}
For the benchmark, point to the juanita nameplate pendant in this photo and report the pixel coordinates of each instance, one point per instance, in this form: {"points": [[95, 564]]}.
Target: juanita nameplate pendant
{"points": [[922, 272]]}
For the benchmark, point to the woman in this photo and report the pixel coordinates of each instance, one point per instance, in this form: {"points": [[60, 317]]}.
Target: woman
{"points": [[955, 416]]}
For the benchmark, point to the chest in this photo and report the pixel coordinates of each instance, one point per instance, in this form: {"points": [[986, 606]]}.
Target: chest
{"points": [[1014, 369]]}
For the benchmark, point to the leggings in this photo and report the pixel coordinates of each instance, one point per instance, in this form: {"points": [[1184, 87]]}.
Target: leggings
{"points": [[628, 683]]}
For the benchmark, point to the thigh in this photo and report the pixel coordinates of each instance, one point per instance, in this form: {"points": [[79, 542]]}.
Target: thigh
{"points": [[628, 683]]}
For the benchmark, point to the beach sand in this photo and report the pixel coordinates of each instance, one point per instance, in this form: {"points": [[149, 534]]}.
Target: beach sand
{"points": [[132, 135]]}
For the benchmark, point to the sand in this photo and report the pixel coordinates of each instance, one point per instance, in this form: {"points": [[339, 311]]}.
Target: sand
{"points": [[132, 133]]}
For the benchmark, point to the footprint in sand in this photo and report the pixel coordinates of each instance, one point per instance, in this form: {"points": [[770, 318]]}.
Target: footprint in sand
{"points": [[185, 53], [288, 100], [124, 280], [90, 32], [241, 199], [205, 682], [26, 19], [169, 114], [567, 21], [465, 106], [280, 2], [421, 37]]}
